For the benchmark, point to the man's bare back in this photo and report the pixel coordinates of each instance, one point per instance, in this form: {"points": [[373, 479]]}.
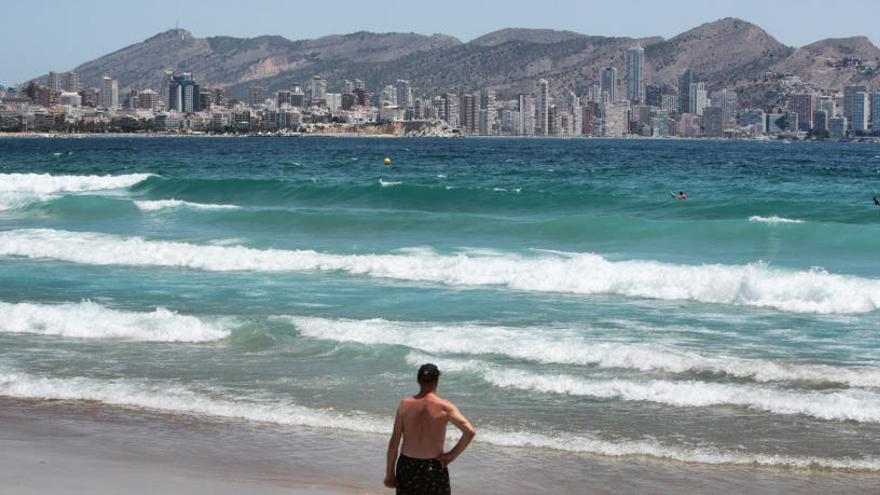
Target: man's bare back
{"points": [[424, 425], [421, 423]]}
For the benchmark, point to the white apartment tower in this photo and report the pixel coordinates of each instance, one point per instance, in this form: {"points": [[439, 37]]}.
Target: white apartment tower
{"points": [[318, 87], [635, 88], [698, 98], [109, 92], [875, 111], [859, 104], [71, 83], [542, 126], [54, 80], [404, 93]]}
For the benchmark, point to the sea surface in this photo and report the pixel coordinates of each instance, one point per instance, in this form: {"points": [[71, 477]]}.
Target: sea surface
{"points": [[573, 305]]}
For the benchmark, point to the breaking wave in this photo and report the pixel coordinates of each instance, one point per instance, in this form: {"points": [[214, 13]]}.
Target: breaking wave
{"points": [[89, 320], [756, 284], [848, 405], [176, 203], [773, 220], [20, 190], [558, 346]]}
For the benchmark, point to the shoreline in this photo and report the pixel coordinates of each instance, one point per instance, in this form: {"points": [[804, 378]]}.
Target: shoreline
{"points": [[84, 447], [84, 135]]}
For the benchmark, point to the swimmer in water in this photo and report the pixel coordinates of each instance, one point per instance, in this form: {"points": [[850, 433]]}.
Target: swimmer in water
{"points": [[681, 195]]}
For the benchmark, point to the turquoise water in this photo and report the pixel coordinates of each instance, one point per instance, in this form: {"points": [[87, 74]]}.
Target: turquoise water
{"points": [[570, 301]]}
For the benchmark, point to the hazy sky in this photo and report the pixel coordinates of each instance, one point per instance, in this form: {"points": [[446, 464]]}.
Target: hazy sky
{"points": [[40, 36]]}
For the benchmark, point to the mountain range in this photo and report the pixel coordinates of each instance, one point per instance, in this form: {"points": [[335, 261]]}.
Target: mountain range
{"points": [[729, 53]]}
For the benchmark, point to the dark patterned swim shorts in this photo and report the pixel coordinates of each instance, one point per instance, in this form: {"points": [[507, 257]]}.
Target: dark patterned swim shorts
{"points": [[421, 477]]}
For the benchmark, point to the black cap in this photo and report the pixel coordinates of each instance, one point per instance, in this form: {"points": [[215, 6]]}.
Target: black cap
{"points": [[428, 373]]}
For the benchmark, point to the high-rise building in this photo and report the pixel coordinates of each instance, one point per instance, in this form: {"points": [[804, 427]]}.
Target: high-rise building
{"points": [[318, 88], [654, 95], [713, 121], [727, 101], [697, 94], [363, 96], [826, 103], [333, 101], [183, 94], [166, 80], [688, 78], [404, 93], [553, 127], [256, 96], [131, 100], [753, 118], [109, 93], [615, 118], [608, 82], [388, 95], [802, 104], [526, 114], [669, 103], [859, 111], [875, 112], [487, 104], [635, 85], [54, 80], [837, 127], [448, 109], [90, 97], [148, 100], [542, 126], [849, 101], [348, 87], [298, 97], [282, 97], [70, 98], [820, 120], [469, 112], [71, 82]]}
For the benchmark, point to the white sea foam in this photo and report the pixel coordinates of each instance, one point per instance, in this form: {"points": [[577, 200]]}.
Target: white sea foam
{"points": [[48, 184], [563, 346], [90, 320], [811, 291], [773, 220], [847, 405], [20, 190], [389, 183], [173, 398], [176, 203]]}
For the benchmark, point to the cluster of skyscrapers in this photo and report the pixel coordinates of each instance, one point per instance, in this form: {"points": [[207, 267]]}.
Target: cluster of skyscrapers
{"points": [[610, 106]]}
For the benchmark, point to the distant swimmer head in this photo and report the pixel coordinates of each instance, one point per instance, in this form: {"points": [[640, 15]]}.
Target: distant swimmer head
{"points": [[387, 161], [428, 374]]}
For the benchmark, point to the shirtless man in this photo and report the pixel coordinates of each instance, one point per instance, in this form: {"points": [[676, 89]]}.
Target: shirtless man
{"points": [[421, 420]]}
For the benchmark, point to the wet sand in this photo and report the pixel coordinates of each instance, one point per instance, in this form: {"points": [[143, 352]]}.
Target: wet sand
{"points": [[89, 448]]}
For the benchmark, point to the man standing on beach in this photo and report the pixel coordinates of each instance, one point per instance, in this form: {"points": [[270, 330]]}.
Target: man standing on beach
{"points": [[421, 421]]}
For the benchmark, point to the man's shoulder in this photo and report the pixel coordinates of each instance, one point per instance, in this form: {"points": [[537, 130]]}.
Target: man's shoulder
{"points": [[447, 404]]}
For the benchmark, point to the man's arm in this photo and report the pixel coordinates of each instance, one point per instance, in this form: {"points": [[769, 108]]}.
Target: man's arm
{"points": [[468, 432], [393, 446]]}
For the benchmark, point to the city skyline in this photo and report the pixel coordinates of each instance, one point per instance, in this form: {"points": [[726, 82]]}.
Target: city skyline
{"points": [[74, 34]]}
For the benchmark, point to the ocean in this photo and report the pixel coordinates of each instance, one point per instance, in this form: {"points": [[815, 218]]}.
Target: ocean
{"points": [[573, 305]]}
